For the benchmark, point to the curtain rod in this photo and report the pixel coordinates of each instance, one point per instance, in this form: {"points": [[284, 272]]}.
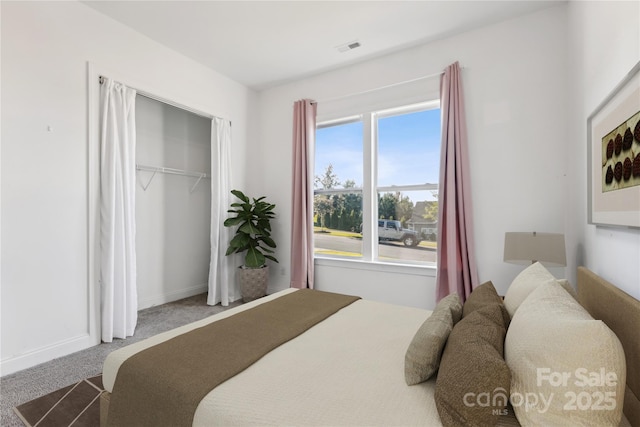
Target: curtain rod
{"points": [[363, 92], [171, 103]]}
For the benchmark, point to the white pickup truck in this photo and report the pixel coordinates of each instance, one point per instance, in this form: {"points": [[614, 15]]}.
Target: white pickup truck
{"points": [[392, 230]]}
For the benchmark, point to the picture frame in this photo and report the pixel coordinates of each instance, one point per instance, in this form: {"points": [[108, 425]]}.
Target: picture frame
{"points": [[613, 156]]}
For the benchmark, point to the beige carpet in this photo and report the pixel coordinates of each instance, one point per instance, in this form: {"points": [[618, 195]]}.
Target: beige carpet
{"points": [[75, 405]]}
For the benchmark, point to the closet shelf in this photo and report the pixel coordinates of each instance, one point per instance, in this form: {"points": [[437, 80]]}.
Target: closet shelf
{"points": [[171, 171]]}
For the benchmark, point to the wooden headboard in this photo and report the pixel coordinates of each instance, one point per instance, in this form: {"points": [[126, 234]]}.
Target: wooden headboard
{"points": [[621, 313]]}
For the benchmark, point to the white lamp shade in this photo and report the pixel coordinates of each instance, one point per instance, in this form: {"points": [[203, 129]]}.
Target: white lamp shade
{"points": [[529, 247]]}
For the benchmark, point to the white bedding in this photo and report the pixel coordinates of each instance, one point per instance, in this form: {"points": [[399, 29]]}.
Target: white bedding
{"points": [[347, 370]]}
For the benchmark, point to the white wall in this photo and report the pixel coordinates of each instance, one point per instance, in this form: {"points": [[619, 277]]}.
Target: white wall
{"points": [[172, 222], [604, 44], [530, 84], [46, 289], [516, 109]]}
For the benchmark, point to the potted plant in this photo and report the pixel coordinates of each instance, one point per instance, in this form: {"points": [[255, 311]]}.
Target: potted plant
{"points": [[253, 236]]}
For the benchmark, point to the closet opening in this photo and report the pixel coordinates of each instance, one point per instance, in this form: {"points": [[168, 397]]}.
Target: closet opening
{"points": [[173, 202]]}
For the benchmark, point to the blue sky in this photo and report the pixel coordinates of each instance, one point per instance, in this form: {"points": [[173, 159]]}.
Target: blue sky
{"points": [[408, 150]]}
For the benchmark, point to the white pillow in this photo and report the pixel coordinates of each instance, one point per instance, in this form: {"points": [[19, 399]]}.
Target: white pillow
{"points": [[567, 287], [568, 367], [524, 283]]}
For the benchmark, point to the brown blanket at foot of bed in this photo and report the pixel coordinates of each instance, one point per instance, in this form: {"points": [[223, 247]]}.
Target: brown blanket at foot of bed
{"points": [[164, 384]]}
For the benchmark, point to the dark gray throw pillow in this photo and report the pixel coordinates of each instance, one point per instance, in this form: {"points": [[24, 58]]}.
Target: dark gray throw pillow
{"points": [[473, 369], [481, 296]]}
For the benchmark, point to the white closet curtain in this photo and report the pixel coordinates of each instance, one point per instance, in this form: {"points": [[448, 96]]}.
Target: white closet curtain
{"points": [[117, 211], [220, 269]]}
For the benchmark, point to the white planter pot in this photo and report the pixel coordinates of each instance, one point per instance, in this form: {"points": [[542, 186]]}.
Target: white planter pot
{"points": [[253, 282]]}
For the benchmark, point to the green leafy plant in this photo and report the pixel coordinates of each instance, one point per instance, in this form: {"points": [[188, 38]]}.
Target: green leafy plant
{"points": [[253, 234]]}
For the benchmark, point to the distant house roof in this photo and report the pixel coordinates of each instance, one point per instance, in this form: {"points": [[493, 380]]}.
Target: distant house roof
{"points": [[417, 216]]}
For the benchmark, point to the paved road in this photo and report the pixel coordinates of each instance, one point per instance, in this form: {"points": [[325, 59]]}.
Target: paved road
{"points": [[394, 250]]}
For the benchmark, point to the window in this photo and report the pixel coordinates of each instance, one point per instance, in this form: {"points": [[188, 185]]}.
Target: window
{"points": [[375, 195]]}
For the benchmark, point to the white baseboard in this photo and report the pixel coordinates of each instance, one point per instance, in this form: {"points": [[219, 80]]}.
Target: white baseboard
{"points": [[46, 354], [166, 297], [74, 344]]}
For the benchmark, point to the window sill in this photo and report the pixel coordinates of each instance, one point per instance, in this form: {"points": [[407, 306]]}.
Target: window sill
{"points": [[427, 270]]}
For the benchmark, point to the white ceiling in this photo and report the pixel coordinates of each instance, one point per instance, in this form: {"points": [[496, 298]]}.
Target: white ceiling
{"points": [[265, 43]]}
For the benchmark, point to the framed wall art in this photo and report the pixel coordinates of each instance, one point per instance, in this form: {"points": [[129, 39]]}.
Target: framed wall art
{"points": [[613, 134]]}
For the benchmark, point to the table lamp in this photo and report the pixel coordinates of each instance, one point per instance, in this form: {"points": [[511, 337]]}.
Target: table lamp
{"points": [[531, 247]]}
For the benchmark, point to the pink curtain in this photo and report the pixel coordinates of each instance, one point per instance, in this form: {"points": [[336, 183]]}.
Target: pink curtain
{"points": [[304, 133], [456, 262]]}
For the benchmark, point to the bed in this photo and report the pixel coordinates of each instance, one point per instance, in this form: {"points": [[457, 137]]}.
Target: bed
{"points": [[351, 367]]}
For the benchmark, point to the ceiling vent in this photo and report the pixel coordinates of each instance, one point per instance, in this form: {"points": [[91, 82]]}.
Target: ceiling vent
{"points": [[348, 46]]}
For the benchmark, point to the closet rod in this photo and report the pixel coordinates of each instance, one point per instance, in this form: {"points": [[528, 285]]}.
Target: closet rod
{"points": [[171, 171], [168, 102]]}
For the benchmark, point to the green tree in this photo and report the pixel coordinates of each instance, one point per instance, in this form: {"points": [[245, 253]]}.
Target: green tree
{"points": [[404, 208], [341, 211], [328, 179], [349, 184], [431, 209], [350, 205], [322, 203], [395, 206], [387, 206]]}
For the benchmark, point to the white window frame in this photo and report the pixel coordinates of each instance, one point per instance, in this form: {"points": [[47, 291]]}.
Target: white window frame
{"points": [[370, 188]]}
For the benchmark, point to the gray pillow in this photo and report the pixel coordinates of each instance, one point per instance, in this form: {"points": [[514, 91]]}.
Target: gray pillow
{"points": [[484, 295], [473, 365], [423, 354]]}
